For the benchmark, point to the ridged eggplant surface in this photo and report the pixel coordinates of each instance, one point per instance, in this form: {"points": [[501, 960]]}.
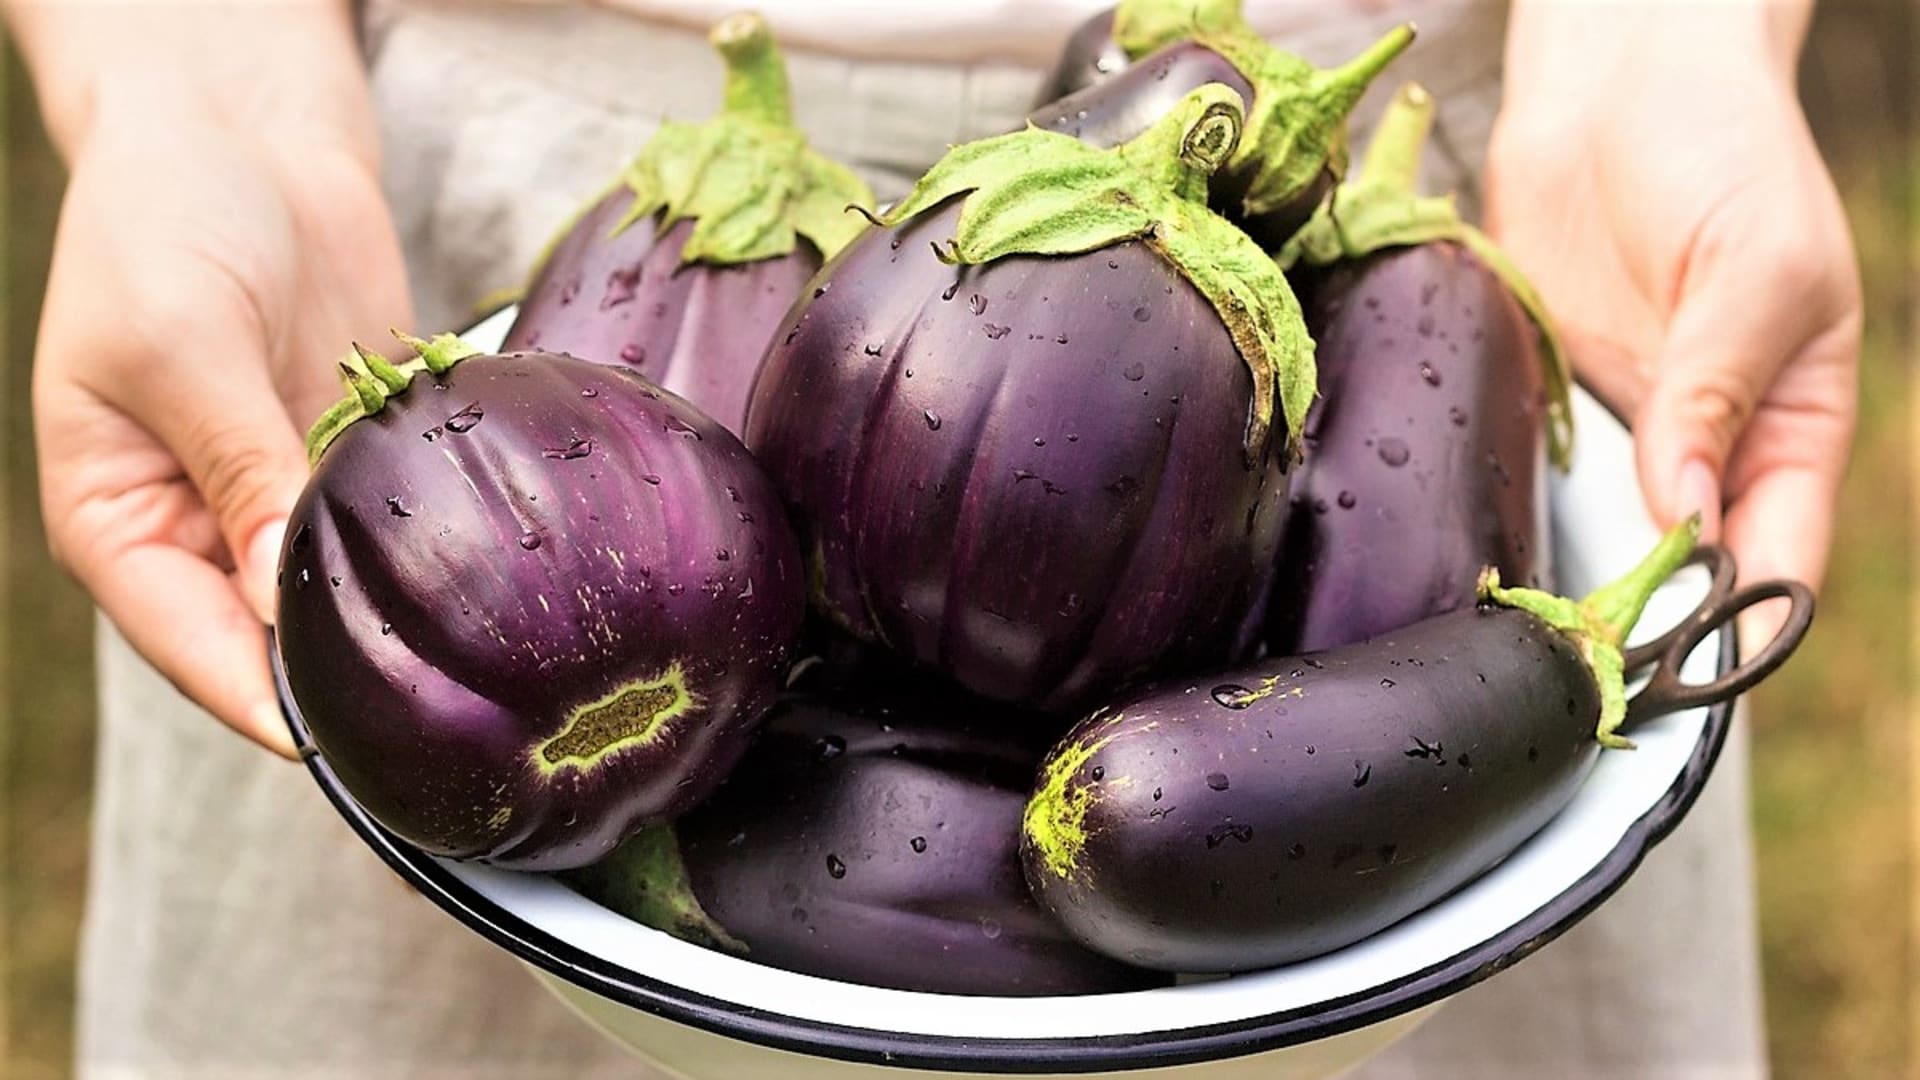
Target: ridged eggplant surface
{"points": [[532, 604]]}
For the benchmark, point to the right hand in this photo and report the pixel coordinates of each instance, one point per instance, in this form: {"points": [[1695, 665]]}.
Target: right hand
{"points": [[211, 266]]}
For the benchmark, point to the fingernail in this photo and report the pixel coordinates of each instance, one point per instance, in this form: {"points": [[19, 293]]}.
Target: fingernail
{"points": [[270, 728], [1699, 492], [262, 567]]}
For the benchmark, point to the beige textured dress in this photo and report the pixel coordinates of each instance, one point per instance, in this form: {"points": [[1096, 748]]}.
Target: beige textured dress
{"points": [[235, 927]]}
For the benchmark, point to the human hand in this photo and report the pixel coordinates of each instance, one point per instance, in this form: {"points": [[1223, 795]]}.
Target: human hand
{"points": [[1662, 191], [213, 260]]}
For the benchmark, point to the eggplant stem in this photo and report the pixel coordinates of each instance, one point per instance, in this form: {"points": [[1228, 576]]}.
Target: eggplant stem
{"points": [[756, 81], [1392, 161], [1600, 623]]}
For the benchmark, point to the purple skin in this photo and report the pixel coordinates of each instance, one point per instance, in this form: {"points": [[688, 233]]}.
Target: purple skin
{"points": [[1425, 452], [1118, 108], [1298, 805], [881, 846], [1090, 57], [489, 585], [624, 298], [1030, 475]]}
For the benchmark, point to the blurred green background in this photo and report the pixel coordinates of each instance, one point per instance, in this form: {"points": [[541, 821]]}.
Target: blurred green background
{"points": [[1836, 751]]}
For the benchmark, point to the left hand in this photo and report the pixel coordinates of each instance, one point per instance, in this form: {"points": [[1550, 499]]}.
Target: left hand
{"points": [[1668, 201]]}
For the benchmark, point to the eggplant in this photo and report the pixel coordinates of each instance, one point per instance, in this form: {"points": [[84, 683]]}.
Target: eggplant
{"points": [[1294, 806], [1027, 427], [1090, 56], [869, 842], [1294, 148], [530, 604], [1442, 387], [682, 269]]}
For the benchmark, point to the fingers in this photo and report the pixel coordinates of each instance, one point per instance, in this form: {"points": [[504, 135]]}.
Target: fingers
{"points": [[230, 432], [1739, 320], [185, 617]]}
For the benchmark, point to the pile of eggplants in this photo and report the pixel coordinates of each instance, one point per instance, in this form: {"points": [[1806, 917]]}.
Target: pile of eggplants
{"points": [[1125, 556]]}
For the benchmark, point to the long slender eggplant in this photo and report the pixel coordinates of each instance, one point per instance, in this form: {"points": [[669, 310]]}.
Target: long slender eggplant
{"points": [[530, 604], [1294, 148], [1297, 805], [1441, 390], [1034, 430], [872, 843], [684, 267]]}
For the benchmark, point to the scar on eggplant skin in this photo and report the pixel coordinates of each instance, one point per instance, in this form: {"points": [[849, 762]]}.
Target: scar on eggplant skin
{"points": [[634, 714]]}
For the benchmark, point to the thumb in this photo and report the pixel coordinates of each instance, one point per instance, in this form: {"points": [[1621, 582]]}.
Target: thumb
{"points": [[1727, 341], [246, 459]]}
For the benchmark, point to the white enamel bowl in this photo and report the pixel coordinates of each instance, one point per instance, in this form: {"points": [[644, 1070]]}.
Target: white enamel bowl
{"points": [[704, 1014]]}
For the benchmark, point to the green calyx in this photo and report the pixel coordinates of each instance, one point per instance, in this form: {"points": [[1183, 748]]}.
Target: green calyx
{"points": [[1599, 624], [1141, 26], [371, 379], [1382, 208], [1296, 125], [645, 879], [1036, 192], [746, 178]]}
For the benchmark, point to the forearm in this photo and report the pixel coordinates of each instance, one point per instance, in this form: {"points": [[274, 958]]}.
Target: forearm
{"points": [[1571, 47], [270, 67]]}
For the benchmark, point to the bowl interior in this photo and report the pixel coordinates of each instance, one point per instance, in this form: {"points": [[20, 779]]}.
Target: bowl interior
{"points": [[1631, 799]]}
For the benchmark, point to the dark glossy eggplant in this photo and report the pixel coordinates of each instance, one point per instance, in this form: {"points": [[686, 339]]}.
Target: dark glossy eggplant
{"points": [[530, 604], [1297, 805], [683, 269], [1295, 145], [1427, 449], [1046, 475], [873, 844], [1090, 56]]}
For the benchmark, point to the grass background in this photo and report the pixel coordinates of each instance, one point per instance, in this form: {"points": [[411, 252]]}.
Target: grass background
{"points": [[1836, 750]]}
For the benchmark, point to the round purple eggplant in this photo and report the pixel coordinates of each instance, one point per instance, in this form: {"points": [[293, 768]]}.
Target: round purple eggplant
{"points": [[530, 604], [872, 843], [1034, 430], [683, 269], [1294, 148], [1300, 804], [1427, 449]]}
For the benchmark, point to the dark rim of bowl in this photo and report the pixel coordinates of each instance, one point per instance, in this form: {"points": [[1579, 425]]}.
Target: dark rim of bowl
{"points": [[1152, 1049]]}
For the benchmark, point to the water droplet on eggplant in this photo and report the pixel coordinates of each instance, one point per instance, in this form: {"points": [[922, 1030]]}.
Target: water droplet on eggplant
{"points": [[918, 844], [1232, 696], [995, 333], [874, 349], [1394, 451], [722, 554], [835, 868], [1070, 604], [386, 629], [1134, 372], [1428, 374], [395, 508], [829, 747], [1362, 772], [977, 304], [573, 451], [465, 420], [1346, 499], [1457, 416], [933, 420], [632, 354], [1387, 684], [1217, 781], [530, 541], [990, 929], [1141, 314], [622, 282]]}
